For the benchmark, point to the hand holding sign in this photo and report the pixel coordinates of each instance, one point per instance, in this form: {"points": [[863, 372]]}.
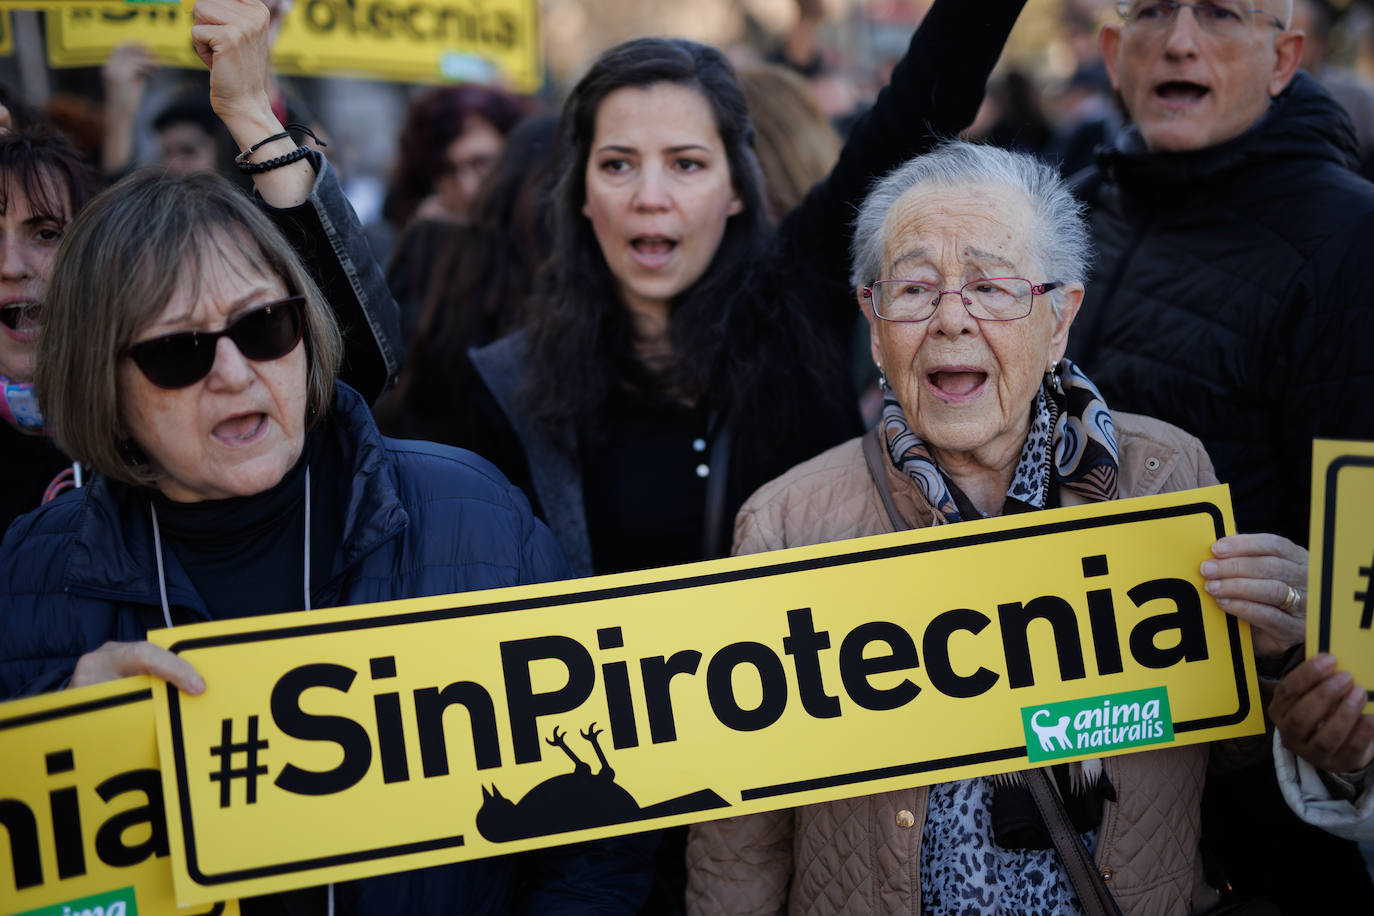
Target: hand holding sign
{"points": [[1251, 578], [1317, 712], [115, 660]]}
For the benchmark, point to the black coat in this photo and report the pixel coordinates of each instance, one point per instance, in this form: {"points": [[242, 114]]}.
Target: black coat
{"points": [[1233, 296], [416, 519], [612, 498]]}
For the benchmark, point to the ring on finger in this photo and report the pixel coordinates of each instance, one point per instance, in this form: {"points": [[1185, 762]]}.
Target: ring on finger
{"points": [[1290, 601]]}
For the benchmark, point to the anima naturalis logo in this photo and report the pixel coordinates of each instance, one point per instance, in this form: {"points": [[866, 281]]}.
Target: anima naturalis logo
{"points": [[1096, 724], [111, 903]]}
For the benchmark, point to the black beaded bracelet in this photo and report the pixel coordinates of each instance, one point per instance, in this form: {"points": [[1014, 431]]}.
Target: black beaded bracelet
{"points": [[252, 168], [267, 165]]}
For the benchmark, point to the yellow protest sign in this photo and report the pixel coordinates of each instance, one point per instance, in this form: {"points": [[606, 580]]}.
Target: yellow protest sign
{"points": [[427, 41], [1340, 588], [6, 35], [336, 744], [82, 808], [420, 41], [85, 36], [56, 5]]}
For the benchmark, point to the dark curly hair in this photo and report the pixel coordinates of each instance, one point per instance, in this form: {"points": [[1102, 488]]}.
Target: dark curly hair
{"points": [[433, 121]]}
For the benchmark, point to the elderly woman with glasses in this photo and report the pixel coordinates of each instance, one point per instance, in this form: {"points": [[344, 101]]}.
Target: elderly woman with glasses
{"points": [[969, 265]]}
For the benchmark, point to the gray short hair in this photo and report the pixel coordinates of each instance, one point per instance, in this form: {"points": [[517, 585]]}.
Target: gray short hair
{"points": [[120, 264], [1059, 236]]}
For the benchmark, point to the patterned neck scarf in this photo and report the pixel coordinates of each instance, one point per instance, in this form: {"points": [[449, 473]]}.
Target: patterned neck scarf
{"points": [[19, 406], [1071, 445]]}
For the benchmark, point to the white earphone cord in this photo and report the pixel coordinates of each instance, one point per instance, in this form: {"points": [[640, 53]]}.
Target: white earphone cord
{"points": [[167, 610]]}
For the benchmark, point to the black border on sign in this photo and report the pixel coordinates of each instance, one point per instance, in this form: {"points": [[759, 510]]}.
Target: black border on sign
{"points": [[499, 607], [78, 709], [1329, 550]]}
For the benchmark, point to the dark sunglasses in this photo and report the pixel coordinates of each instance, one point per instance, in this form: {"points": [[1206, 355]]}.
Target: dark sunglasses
{"points": [[184, 358]]}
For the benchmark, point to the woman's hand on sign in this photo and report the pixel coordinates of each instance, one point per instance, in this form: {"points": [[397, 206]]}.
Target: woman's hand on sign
{"points": [[1262, 579], [1318, 712], [115, 660]]}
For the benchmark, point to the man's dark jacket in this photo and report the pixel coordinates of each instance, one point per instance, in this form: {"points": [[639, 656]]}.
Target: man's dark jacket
{"points": [[1233, 296], [418, 519]]}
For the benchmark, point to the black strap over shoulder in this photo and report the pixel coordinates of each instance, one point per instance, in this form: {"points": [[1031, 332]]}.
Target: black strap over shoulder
{"points": [[1087, 882], [874, 455]]}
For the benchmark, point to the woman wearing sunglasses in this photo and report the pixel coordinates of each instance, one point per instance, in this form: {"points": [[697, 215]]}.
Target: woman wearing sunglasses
{"points": [[236, 477], [43, 184], [189, 358]]}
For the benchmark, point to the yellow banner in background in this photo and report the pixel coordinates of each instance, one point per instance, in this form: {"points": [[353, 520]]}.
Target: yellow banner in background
{"points": [[424, 41], [337, 744], [81, 806], [54, 5], [6, 35], [85, 36], [420, 41], [1340, 588]]}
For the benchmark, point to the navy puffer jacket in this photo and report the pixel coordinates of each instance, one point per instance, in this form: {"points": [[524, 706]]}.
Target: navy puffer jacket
{"points": [[419, 519], [1233, 296]]}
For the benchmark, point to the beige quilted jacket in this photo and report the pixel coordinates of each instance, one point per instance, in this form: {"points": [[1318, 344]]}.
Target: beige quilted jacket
{"points": [[862, 855]]}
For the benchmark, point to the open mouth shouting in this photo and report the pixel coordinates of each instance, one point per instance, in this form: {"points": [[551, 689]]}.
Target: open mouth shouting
{"points": [[956, 384], [21, 319], [1180, 94], [241, 430], [652, 251]]}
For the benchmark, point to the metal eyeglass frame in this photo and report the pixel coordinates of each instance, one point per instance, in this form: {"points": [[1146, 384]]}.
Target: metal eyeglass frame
{"points": [[1123, 9], [1037, 289]]}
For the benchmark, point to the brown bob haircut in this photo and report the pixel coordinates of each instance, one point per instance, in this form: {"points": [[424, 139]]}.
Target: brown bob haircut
{"points": [[124, 257]]}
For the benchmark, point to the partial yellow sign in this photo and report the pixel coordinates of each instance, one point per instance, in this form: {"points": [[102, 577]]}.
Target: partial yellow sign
{"points": [[1340, 593], [82, 808], [337, 744], [56, 5], [419, 41], [6, 35], [85, 36], [428, 41]]}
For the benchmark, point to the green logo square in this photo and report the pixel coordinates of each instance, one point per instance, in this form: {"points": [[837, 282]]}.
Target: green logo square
{"points": [[1094, 725], [122, 902]]}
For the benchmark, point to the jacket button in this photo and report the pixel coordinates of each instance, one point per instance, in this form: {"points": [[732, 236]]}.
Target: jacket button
{"points": [[1106, 874], [905, 819], [1152, 464]]}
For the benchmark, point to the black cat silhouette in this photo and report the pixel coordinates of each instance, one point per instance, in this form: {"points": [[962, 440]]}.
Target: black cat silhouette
{"points": [[576, 801]]}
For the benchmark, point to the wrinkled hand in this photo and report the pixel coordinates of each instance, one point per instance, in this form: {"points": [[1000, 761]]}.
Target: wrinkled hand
{"points": [[126, 72], [115, 660], [1317, 711], [231, 37], [1250, 577]]}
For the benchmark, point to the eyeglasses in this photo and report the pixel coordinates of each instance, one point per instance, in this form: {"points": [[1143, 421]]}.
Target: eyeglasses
{"points": [[186, 357], [1220, 18], [988, 299]]}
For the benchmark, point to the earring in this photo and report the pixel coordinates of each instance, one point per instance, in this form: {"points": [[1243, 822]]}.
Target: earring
{"points": [[1053, 381], [882, 378]]}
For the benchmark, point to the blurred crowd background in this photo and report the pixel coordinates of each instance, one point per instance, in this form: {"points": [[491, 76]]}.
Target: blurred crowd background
{"points": [[1050, 94]]}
